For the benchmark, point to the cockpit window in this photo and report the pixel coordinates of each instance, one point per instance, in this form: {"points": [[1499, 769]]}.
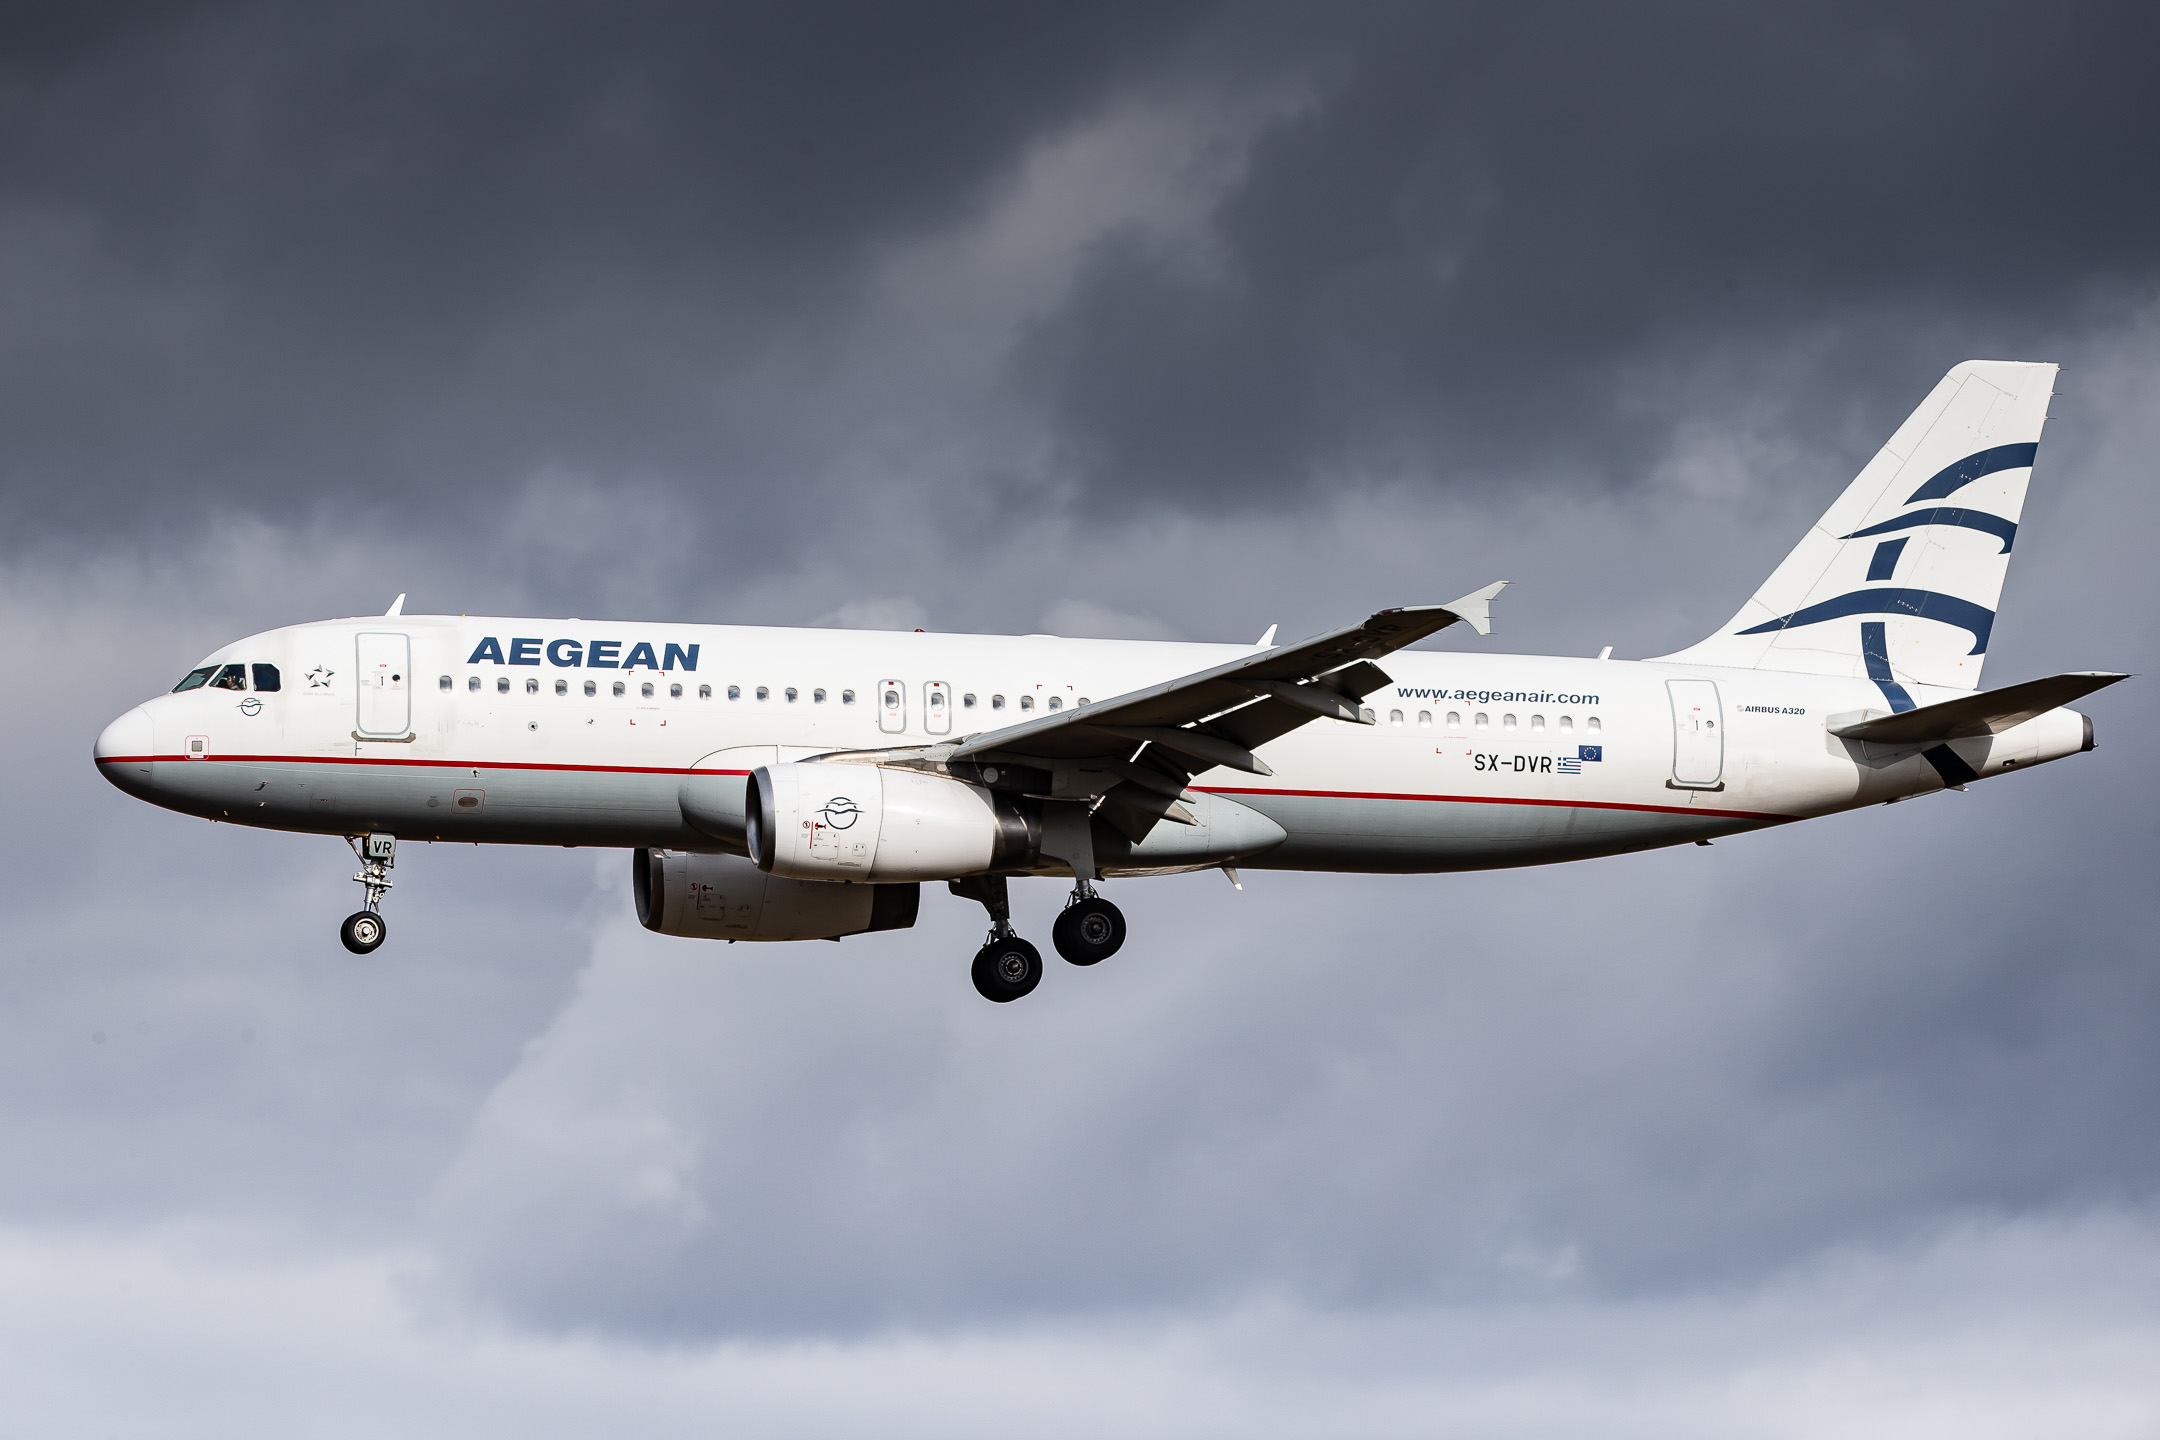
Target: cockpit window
{"points": [[232, 677], [266, 677], [195, 679]]}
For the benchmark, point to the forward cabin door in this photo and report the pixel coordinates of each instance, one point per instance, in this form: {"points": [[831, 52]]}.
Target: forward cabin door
{"points": [[891, 706], [1698, 735], [937, 707], [384, 670]]}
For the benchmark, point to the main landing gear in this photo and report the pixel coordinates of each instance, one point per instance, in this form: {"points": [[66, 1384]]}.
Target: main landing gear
{"points": [[1008, 967], [1089, 929], [364, 929]]}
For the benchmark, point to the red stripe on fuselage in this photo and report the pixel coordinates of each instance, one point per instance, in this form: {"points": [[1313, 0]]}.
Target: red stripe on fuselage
{"points": [[677, 770], [385, 760]]}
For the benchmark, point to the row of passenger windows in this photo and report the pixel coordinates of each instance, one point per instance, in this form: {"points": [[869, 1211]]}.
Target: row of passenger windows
{"points": [[649, 690], [229, 677], [1482, 721]]}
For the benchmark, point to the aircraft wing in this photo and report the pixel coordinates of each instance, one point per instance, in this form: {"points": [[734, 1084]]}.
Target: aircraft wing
{"points": [[1215, 717], [1989, 712]]}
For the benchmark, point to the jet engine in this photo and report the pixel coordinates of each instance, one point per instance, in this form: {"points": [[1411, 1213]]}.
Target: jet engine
{"points": [[725, 897], [822, 820]]}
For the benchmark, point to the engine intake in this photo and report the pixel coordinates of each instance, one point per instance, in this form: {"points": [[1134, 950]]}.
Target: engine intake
{"points": [[725, 897], [820, 820]]}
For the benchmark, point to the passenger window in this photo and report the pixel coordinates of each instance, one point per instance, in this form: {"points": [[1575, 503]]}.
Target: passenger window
{"points": [[1537, 723], [532, 685], [1424, 718], [195, 679], [892, 699], [1567, 723], [1591, 725], [443, 684], [1394, 717], [817, 697], [472, 683], [232, 677], [645, 691], [763, 693], [997, 702], [967, 702], [1481, 722], [618, 689], [1027, 702], [1454, 722], [790, 693], [562, 687], [266, 677], [1056, 704], [1507, 722], [847, 697], [674, 692], [1082, 700], [734, 692], [591, 689], [1368, 715], [502, 684], [704, 692]]}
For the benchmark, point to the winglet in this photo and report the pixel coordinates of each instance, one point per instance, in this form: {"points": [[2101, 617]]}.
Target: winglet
{"points": [[397, 606], [1476, 608], [1265, 641]]}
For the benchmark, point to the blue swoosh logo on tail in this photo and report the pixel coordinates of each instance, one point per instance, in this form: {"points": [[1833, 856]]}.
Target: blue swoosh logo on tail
{"points": [[2001, 529], [1927, 604], [1961, 473]]}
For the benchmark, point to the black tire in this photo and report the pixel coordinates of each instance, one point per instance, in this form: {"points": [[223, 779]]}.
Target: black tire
{"points": [[1005, 970], [363, 931], [1089, 931]]}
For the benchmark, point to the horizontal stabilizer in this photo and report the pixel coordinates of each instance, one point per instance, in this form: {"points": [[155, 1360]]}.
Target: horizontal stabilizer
{"points": [[1990, 712]]}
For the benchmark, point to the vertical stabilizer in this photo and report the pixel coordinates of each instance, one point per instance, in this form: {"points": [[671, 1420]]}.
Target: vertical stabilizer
{"points": [[1899, 580]]}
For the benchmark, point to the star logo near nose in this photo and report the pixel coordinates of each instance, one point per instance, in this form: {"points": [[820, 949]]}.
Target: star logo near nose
{"points": [[319, 677]]}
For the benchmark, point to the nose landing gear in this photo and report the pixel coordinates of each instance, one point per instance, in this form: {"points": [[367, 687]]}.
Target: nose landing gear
{"points": [[364, 929]]}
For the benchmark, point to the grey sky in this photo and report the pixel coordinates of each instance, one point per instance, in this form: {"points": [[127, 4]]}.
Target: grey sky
{"points": [[1175, 321]]}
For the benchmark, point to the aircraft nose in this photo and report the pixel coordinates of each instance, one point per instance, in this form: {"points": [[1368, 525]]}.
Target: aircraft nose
{"points": [[124, 748]]}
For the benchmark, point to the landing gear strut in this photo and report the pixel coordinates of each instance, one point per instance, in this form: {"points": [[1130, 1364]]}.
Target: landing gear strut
{"points": [[364, 929], [1090, 927], [1006, 967]]}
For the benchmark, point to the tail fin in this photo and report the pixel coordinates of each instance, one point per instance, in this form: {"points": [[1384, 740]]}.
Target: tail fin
{"points": [[1900, 578]]}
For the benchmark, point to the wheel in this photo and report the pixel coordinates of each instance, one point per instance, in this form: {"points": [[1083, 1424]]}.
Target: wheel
{"points": [[362, 931], [1005, 970], [1088, 931]]}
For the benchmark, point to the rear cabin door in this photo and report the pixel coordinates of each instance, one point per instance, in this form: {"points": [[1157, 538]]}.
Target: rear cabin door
{"points": [[1698, 734], [937, 707], [385, 676], [892, 706]]}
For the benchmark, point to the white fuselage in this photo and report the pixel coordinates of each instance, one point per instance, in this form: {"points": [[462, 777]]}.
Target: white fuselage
{"points": [[534, 732]]}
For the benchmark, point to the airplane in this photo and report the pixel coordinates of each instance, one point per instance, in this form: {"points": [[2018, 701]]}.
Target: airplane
{"points": [[800, 784]]}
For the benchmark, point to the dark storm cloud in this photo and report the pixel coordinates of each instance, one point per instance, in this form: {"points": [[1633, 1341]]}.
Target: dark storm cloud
{"points": [[409, 251], [419, 253], [1458, 262]]}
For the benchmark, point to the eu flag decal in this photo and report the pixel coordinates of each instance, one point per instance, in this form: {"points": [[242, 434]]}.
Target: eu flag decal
{"points": [[1590, 752]]}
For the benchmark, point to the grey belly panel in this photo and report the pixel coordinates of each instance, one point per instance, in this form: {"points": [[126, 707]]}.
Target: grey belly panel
{"points": [[1408, 836], [529, 807]]}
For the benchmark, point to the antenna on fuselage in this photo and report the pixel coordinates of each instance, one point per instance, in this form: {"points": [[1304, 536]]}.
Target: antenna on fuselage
{"points": [[397, 606]]}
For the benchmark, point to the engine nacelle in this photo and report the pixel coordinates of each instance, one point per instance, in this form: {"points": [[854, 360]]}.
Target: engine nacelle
{"points": [[819, 820], [725, 897]]}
